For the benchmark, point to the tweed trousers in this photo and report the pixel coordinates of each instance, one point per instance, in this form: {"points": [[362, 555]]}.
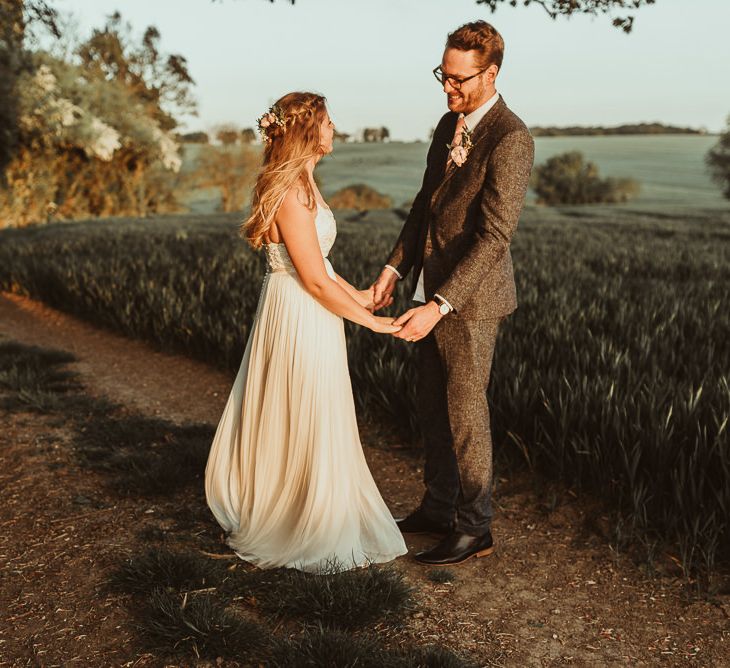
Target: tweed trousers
{"points": [[454, 364]]}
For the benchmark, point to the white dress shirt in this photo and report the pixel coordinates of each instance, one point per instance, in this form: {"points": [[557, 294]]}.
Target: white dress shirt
{"points": [[470, 121]]}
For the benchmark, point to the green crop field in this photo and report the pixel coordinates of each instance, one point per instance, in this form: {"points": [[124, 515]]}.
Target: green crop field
{"points": [[669, 168], [612, 374]]}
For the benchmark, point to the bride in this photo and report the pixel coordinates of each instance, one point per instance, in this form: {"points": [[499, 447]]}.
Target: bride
{"points": [[286, 477]]}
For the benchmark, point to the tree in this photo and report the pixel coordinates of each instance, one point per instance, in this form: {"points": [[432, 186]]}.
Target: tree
{"points": [[370, 135], [162, 84], [227, 134], [566, 8], [91, 135], [360, 197], [568, 179], [718, 161], [556, 8], [194, 138], [248, 136], [232, 169], [16, 21]]}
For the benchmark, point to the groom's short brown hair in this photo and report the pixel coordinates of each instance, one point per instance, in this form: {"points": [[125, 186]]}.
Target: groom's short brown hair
{"points": [[481, 37]]}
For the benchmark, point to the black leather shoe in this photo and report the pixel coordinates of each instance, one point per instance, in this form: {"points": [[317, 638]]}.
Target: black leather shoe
{"points": [[417, 522], [456, 548]]}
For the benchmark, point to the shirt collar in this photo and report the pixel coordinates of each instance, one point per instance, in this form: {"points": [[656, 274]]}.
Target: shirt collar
{"points": [[475, 116]]}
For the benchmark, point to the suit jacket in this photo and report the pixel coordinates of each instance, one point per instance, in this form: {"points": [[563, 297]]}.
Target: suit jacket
{"points": [[461, 223]]}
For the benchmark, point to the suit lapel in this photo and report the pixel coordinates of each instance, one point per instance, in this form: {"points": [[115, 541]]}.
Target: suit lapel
{"points": [[442, 155], [478, 133]]}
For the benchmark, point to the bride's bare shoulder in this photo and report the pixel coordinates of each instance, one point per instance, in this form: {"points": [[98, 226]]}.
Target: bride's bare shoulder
{"points": [[297, 202]]}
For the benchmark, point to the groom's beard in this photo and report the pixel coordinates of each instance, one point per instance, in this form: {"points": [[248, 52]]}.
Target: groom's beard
{"points": [[466, 103]]}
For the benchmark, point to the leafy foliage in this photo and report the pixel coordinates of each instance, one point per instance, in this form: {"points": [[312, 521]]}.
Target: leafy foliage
{"points": [[568, 179], [230, 168], [360, 197], [718, 161], [92, 135], [556, 8]]}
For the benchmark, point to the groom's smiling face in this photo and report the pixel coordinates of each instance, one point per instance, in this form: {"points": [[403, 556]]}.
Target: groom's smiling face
{"points": [[473, 93]]}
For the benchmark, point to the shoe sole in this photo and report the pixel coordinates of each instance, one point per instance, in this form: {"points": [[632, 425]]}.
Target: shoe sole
{"points": [[425, 533], [482, 553]]}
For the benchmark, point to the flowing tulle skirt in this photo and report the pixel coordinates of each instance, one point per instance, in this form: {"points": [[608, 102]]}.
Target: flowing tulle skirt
{"points": [[286, 476]]}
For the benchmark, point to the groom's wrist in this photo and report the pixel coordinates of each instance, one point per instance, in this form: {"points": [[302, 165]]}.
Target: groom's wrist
{"points": [[394, 270], [439, 299]]}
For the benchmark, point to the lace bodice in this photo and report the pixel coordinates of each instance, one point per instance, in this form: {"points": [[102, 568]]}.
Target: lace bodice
{"points": [[277, 258]]}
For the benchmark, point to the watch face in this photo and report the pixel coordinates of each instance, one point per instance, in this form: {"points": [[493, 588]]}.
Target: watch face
{"points": [[444, 309]]}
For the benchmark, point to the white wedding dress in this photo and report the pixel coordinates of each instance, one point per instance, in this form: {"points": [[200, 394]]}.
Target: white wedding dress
{"points": [[286, 476]]}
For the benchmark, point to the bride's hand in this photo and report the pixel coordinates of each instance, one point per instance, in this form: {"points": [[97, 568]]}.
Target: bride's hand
{"points": [[367, 298], [384, 325]]}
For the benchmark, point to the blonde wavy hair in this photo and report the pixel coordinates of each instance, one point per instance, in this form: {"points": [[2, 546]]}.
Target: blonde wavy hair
{"points": [[287, 149]]}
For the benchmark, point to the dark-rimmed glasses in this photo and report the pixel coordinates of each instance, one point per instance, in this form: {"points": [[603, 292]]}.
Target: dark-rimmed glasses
{"points": [[454, 81]]}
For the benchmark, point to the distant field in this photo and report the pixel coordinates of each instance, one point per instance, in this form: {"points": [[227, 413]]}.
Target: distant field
{"points": [[670, 168]]}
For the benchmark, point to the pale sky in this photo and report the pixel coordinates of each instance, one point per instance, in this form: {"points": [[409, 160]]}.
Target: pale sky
{"points": [[373, 59]]}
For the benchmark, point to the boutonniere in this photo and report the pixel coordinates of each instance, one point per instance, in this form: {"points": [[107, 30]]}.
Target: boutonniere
{"points": [[459, 149]]}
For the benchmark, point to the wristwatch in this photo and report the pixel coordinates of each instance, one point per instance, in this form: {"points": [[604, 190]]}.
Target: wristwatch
{"points": [[443, 306]]}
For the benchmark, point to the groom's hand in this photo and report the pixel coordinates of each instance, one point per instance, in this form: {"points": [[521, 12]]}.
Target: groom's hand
{"points": [[418, 322], [383, 289]]}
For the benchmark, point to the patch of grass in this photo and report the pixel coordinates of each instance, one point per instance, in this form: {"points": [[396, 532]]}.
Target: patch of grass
{"points": [[147, 456], [331, 648], [432, 656], [181, 624], [441, 575], [152, 534], [33, 378], [171, 569], [346, 599]]}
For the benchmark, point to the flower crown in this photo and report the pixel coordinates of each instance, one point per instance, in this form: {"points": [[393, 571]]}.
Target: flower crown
{"points": [[274, 116]]}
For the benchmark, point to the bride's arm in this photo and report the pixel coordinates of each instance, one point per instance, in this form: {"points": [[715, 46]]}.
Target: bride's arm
{"points": [[296, 225], [362, 297]]}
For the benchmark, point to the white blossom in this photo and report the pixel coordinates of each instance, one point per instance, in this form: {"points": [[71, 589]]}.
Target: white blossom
{"points": [[69, 113], [168, 150], [45, 79], [105, 142]]}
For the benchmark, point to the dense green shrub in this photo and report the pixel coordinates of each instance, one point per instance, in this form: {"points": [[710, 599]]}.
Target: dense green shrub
{"points": [[718, 161], [360, 197], [568, 179]]}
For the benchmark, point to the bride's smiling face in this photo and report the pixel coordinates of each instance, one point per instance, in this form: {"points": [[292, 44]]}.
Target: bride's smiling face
{"points": [[326, 134]]}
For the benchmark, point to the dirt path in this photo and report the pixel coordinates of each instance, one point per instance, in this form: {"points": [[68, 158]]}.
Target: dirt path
{"points": [[553, 593]]}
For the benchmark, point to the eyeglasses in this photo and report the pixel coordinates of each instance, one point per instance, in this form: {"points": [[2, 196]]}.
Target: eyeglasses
{"points": [[455, 82]]}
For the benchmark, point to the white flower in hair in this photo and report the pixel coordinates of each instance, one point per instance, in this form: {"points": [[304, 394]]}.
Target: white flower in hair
{"points": [[274, 116]]}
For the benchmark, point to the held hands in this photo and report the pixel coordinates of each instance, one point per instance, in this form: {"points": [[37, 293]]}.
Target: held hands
{"points": [[367, 298], [418, 322], [413, 325], [383, 289], [377, 296], [384, 325]]}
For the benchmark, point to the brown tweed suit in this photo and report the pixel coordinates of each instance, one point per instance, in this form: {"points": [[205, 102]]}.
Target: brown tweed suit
{"points": [[459, 230]]}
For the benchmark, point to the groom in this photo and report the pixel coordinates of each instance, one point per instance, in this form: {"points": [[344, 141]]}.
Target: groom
{"points": [[456, 239]]}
